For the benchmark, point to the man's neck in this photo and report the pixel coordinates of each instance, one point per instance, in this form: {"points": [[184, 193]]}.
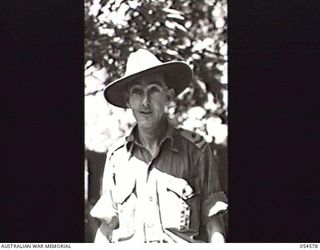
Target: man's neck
{"points": [[150, 137]]}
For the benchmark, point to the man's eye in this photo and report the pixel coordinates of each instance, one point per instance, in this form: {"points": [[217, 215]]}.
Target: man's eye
{"points": [[154, 89], [136, 91]]}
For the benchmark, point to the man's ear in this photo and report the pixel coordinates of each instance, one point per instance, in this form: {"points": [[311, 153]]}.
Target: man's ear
{"points": [[170, 95], [126, 99]]}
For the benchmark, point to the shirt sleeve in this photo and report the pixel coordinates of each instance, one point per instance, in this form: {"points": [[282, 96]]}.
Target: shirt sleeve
{"points": [[105, 208], [213, 199]]}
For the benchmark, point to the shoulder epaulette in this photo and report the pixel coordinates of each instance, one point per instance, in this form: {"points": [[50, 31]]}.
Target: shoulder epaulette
{"points": [[193, 137]]}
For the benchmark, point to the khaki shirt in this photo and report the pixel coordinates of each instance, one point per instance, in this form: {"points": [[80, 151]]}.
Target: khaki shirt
{"points": [[144, 195]]}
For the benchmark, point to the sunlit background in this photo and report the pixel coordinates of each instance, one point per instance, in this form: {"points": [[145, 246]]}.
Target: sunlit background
{"points": [[193, 31]]}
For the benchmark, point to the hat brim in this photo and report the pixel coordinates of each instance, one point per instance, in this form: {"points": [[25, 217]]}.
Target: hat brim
{"points": [[178, 76]]}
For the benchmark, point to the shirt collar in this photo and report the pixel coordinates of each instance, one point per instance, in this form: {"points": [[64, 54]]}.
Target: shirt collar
{"points": [[132, 137]]}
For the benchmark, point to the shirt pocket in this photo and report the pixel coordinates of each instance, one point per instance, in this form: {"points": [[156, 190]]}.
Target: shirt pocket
{"points": [[178, 202]]}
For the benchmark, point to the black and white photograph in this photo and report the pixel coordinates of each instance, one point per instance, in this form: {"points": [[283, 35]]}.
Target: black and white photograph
{"points": [[159, 121], [156, 107]]}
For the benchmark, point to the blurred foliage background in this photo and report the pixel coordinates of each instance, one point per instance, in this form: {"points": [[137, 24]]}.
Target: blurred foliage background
{"points": [[188, 30]]}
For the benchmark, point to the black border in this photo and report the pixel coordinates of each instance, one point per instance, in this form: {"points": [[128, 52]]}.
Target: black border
{"points": [[274, 121], [42, 124]]}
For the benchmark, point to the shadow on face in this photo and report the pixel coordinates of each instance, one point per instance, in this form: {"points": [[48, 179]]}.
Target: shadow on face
{"points": [[147, 97]]}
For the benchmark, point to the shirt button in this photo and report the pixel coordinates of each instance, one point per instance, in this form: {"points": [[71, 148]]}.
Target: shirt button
{"points": [[150, 198]]}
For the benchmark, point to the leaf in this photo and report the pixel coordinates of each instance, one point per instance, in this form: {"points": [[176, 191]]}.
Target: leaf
{"points": [[174, 16]]}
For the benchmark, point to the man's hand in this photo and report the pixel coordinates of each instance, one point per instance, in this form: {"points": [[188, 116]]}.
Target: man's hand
{"points": [[107, 226], [215, 229], [217, 238]]}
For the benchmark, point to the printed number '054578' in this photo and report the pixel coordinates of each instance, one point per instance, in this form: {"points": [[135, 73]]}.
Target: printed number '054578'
{"points": [[310, 245]]}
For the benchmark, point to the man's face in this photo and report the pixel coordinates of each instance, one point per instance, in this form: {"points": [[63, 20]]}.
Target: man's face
{"points": [[148, 98]]}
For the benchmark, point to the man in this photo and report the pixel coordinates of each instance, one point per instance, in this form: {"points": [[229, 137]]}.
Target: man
{"points": [[160, 184]]}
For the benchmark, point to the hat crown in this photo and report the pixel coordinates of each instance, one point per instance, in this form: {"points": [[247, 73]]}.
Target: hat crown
{"points": [[141, 60]]}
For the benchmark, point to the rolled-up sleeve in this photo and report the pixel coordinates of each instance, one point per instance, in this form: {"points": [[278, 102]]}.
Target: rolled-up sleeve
{"points": [[105, 208], [213, 199]]}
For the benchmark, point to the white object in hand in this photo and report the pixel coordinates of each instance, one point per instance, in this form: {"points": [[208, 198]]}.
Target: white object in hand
{"points": [[219, 206], [177, 185]]}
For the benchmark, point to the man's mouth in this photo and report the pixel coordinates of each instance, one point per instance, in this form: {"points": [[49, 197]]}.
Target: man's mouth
{"points": [[145, 112]]}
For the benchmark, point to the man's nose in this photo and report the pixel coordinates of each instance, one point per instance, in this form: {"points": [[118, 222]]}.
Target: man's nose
{"points": [[146, 98]]}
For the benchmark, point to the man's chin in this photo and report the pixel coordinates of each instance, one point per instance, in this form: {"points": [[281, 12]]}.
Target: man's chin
{"points": [[147, 124]]}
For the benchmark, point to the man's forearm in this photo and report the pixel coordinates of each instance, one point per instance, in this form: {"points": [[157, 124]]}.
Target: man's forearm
{"points": [[215, 229]]}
